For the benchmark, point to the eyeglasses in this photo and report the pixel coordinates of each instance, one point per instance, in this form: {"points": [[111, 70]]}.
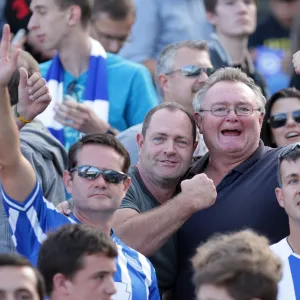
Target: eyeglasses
{"points": [[92, 173], [224, 111], [279, 120], [192, 71]]}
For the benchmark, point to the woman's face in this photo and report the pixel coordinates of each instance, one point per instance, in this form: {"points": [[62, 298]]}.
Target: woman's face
{"points": [[285, 113]]}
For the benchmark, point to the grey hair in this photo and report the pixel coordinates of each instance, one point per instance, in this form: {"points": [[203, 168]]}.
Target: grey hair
{"points": [[233, 75], [165, 62]]}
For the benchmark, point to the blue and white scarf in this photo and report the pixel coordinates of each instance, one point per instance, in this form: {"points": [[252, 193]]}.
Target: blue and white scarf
{"points": [[95, 94]]}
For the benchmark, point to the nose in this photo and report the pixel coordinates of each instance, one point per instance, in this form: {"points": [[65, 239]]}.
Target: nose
{"points": [[110, 288], [170, 147], [241, 6], [100, 182], [290, 121], [232, 116], [32, 24], [202, 77]]}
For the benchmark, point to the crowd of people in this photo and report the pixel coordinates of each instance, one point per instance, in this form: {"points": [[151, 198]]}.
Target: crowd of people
{"points": [[149, 150]]}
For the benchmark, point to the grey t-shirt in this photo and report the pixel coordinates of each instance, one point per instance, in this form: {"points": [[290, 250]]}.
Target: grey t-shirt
{"points": [[164, 260]]}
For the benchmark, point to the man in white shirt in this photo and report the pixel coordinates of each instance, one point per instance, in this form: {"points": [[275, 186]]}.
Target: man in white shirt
{"points": [[288, 196]]}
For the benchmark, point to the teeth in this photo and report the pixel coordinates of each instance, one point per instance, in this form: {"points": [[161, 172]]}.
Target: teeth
{"points": [[292, 134]]}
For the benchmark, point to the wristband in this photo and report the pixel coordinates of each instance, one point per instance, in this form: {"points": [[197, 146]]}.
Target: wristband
{"points": [[19, 117]]}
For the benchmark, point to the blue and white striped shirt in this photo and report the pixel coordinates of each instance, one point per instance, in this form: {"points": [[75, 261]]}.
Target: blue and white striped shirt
{"points": [[30, 221]]}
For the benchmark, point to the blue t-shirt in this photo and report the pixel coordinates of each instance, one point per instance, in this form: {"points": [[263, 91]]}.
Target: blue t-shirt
{"points": [[30, 221], [131, 93]]}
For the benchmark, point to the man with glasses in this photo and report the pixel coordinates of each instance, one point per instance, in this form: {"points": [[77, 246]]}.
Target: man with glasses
{"points": [[182, 69], [96, 178], [229, 111], [288, 196]]}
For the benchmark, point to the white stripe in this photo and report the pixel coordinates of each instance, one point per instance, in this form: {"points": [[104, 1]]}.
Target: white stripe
{"points": [[97, 49], [100, 108], [147, 271], [34, 221], [28, 204], [13, 219], [124, 270]]}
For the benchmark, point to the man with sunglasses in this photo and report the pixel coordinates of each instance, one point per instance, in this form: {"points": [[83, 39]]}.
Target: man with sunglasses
{"points": [[182, 69], [96, 178], [229, 111], [288, 196]]}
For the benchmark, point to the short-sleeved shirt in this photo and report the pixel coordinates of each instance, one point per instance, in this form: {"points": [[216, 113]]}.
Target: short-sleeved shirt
{"points": [[245, 199], [131, 93], [140, 199], [30, 222], [289, 286]]}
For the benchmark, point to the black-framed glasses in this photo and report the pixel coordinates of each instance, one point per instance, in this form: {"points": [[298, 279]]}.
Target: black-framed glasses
{"points": [[224, 111], [279, 120], [193, 71], [92, 173]]}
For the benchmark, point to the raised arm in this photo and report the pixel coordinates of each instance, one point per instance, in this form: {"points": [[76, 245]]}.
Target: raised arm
{"points": [[16, 174]]}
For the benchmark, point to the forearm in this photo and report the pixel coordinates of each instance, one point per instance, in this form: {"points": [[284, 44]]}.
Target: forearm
{"points": [[151, 66], [9, 136], [149, 231]]}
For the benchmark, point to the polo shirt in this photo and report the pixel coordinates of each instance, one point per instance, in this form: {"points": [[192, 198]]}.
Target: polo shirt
{"points": [[245, 199]]}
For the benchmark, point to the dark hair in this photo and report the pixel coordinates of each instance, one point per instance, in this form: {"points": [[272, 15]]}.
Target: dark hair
{"points": [[240, 262], [116, 9], [101, 139], [64, 251], [15, 260], [210, 5], [85, 6], [266, 133], [171, 106], [27, 61]]}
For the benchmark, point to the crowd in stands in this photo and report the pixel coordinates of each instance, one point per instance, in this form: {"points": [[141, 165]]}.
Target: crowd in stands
{"points": [[149, 150]]}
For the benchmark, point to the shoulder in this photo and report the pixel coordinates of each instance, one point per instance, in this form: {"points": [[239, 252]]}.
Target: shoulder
{"points": [[130, 133], [282, 249]]}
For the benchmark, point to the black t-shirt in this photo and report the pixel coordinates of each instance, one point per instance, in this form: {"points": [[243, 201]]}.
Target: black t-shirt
{"points": [[246, 199]]}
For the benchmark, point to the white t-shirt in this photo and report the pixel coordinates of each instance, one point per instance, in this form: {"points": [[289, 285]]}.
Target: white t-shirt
{"points": [[289, 286]]}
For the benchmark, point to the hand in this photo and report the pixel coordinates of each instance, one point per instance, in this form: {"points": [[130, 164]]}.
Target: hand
{"points": [[34, 96], [64, 208], [296, 62], [79, 116], [8, 59], [199, 192]]}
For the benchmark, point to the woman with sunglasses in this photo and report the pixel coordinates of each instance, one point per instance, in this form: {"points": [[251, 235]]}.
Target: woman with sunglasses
{"points": [[281, 125]]}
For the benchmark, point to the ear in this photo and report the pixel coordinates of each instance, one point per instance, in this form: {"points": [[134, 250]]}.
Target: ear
{"points": [[210, 16], [261, 119], [61, 285], [68, 181], [279, 196], [74, 16], [163, 81], [140, 140], [126, 183], [198, 118]]}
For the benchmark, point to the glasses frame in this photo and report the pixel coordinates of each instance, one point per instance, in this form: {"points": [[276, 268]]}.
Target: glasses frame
{"points": [[270, 121], [99, 172], [189, 73], [229, 109]]}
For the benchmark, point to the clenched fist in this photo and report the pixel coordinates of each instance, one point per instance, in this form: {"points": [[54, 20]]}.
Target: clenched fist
{"points": [[198, 192]]}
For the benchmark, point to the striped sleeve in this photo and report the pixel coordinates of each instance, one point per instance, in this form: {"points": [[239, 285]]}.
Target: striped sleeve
{"points": [[30, 221]]}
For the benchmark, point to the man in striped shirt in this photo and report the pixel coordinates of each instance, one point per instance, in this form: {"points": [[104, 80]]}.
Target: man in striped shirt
{"points": [[96, 178]]}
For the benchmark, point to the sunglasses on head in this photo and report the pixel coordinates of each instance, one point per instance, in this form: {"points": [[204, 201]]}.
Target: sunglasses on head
{"points": [[92, 173], [279, 120], [193, 71]]}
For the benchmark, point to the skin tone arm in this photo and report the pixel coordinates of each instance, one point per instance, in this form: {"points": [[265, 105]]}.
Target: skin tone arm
{"points": [[197, 193], [17, 175], [150, 64]]}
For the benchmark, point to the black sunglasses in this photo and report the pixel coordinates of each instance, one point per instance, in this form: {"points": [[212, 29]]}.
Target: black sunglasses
{"points": [[193, 71], [280, 119], [92, 173]]}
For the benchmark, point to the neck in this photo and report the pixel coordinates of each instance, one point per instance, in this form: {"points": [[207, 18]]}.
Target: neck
{"points": [[75, 53], [162, 190], [99, 220], [294, 237], [236, 47]]}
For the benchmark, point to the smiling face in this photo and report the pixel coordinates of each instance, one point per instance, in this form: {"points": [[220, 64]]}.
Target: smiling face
{"points": [[234, 18], [290, 132], [230, 135], [288, 195], [167, 149], [97, 195]]}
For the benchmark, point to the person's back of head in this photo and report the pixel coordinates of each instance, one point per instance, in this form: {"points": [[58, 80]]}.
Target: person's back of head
{"points": [[239, 265], [68, 252], [19, 277]]}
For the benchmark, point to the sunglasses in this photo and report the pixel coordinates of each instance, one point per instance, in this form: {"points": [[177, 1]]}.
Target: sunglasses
{"points": [[193, 71], [92, 173], [279, 120]]}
